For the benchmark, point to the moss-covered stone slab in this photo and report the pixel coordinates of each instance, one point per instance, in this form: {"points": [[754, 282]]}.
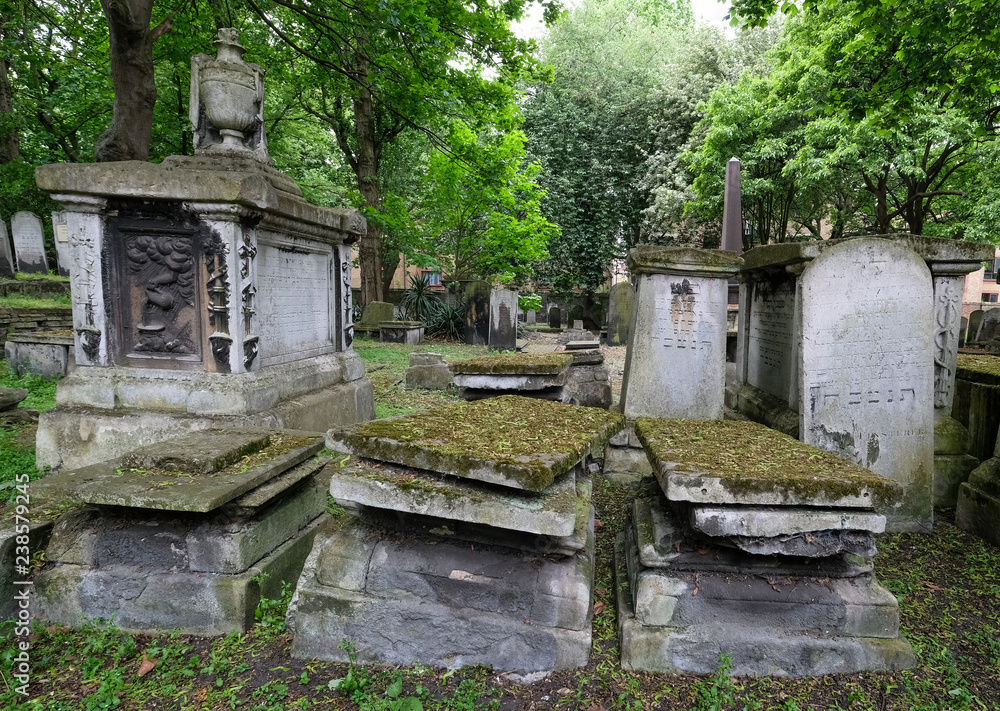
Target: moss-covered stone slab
{"points": [[385, 486], [731, 462], [514, 441], [176, 490], [983, 369], [197, 453], [514, 364]]}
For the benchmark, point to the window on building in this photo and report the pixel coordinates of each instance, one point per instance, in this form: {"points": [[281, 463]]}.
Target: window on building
{"points": [[992, 269], [990, 298], [432, 278]]}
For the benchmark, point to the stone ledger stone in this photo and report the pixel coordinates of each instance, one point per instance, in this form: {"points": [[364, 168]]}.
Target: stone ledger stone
{"points": [[29, 243], [43, 353], [675, 362]]}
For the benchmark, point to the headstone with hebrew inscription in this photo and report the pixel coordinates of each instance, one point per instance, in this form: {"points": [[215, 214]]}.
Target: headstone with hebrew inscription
{"points": [[676, 356], [60, 231], [6, 255], [29, 243], [865, 373]]}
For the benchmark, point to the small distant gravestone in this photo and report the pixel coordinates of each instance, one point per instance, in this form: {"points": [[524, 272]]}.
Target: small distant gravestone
{"points": [[61, 232], [963, 330], [29, 243], [376, 312], [555, 317], [621, 301], [6, 256], [503, 319], [975, 318], [477, 314], [531, 317], [990, 326]]}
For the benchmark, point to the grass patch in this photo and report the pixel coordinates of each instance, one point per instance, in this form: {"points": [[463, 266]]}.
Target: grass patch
{"points": [[50, 276], [21, 301], [41, 391]]}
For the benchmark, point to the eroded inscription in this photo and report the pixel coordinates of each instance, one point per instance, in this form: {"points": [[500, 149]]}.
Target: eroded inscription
{"points": [[770, 345]]}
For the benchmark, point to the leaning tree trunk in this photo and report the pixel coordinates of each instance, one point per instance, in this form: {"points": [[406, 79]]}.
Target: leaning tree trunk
{"points": [[131, 52], [370, 248]]}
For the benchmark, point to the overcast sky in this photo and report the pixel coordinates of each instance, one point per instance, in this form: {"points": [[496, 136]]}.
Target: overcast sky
{"points": [[705, 11]]}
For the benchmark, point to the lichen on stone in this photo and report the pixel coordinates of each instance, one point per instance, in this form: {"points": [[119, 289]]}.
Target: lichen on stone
{"points": [[526, 440], [514, 364], [979, 368], [748, 457], [278, 444]]}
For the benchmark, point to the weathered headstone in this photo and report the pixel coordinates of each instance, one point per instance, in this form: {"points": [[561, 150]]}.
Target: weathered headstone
{"points": [[375, 314], [60, 232], [555, 317], [975, 318], [531, 317], [427, 371], [807, 364], [477, 313], [621, 302], [6, 256], [503, 322], [676, 357], [29, 243], [989, 328], [963, 331]]}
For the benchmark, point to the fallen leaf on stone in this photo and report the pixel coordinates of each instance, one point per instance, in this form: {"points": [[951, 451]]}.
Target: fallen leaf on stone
{"points": [[200, 695], [147, 665], [599, 607], [695, 592]]}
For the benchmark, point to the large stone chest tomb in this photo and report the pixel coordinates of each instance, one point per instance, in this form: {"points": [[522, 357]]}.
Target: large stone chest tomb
{"points": [[206, 290]]}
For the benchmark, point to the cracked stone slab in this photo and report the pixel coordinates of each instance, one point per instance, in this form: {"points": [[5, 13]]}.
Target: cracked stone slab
{"points": [[780, 520], [513, 441], [552, 512], [110, 485], [739, 462], [510, 381], [662, 542]]}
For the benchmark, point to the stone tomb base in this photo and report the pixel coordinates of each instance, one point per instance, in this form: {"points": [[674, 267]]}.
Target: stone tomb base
{"points": [[680, 607], [402, 596], [173, 557]]}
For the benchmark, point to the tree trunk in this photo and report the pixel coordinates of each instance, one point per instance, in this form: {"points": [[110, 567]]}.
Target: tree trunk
{"points": [[10, 148], [370, 247], [131, 53]]}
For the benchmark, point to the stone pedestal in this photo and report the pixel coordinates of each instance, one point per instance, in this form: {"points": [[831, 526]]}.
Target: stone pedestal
{"points": [[477, 554], [675, 362], [409, 332], [861, 374], [428, 371], [47, 353], [180, 535], [764, 558], [203, 287]]}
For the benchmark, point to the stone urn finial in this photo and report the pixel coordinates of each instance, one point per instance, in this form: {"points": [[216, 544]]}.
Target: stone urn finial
{"points": [[227, 98]]}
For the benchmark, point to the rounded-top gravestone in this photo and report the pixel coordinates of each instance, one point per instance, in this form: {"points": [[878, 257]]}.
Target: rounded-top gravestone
{"points": [[621, 302]]}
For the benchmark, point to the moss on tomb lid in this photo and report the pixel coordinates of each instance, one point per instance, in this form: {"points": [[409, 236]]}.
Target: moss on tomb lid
{"points": [[749, 458], [527, 441], [514, 364], [979, 368]]}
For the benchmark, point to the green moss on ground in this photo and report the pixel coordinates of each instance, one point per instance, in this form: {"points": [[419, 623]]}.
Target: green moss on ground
{"points": [[751, 458], [979, 368], [515, 364]]}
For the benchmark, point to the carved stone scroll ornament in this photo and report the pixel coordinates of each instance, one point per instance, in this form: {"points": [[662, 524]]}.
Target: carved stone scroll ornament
{"points": [[947, 311], [345, 272], [247, 253], [218, 302]]}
